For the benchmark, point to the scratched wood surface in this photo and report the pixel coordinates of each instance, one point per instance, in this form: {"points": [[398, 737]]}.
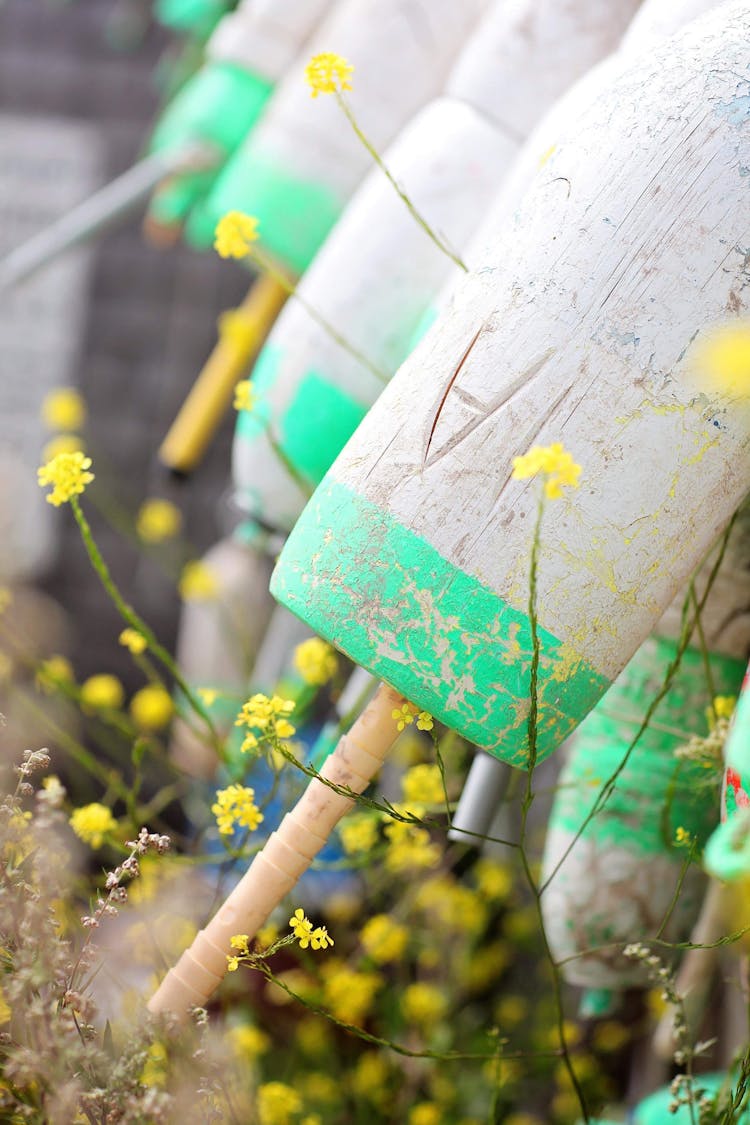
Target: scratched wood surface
{"points": [[629, 243], [265, 36]]}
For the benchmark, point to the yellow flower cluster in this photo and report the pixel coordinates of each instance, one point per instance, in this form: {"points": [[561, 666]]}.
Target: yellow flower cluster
{"points": [[328, 73], [52, 672], [348, 993], [315, 661], [307, 935], [410, 847], [151, 707], [92, 823], [63, 409], [554, 462], [423, 1004], [383, 939], [198, 582], [370, 1076], [452, 905], [423, 783], [103, 690], [494, 880], [157, 520], [405, 715], [359, 833], [244, 395], [68, 474], [267, 716], [234, 234], [277, 1104], [247, 1042], [133, 641], [722, 707], [235, 808], [240, 942]]}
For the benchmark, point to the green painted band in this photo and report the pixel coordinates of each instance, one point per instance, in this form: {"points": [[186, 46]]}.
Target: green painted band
{"points": [[294, 216], [313, 429], [656, 793], [447, 642]]}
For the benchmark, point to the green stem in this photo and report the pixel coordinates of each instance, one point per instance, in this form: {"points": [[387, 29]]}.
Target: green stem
{"points": [[422, 222]]}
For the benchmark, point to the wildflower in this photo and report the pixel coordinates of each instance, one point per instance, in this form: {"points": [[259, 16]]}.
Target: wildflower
{"points": [[315, 661], [154, 1072], [383, 939], [157, 520], [423, 1004], [234, 234], [423, 783], [277, 1103], [370, 1076], [247, 1042], [328, 73], [244, 395], [52, 672], [313, 1036], [319, 939], [207, 696], [403, 716], [359, 833], [349, 993], [425, 1113], [68, 474], [62, 443], [197, 582], [267, 715], [133, 641], [410, 848], [722, 358], [63, 409], [267, 935], [91, 823], [494, 880], [722, 707], [102, 691], [554, 462], [151, 707], [682, 837], [302, 928], [425, 721], [235, 808]]}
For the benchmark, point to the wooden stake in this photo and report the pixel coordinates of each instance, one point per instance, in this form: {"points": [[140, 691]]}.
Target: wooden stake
{"points": [[287, 854]]}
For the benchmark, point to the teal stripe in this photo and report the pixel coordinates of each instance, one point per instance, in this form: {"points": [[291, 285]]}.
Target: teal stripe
{"points": [[390, 601]]}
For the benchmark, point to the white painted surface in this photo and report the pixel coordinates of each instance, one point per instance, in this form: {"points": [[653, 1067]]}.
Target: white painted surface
{"points": [[628, 243], [265, 36]]}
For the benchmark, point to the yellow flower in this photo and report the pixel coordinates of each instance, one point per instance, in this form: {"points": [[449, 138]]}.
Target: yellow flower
{"points": [[494, 880], [301, 926], [319, 939], [152, 707], [248, 1043], [721, 360], [317, 1087], [52, 672], [234, 234], [62, 443], [133, 641], [682, 837], [92, 823], [410, 848], [722, 708], [63, 409], [370, 1076], [244, 395], [235, 808], [403, 716], [423, 1004], [359, 833], [554, 462], [102, 691], [154, 1072], [425, 1113], [267, 715], [197, 582], [315, 661], [68, 474], [157, 520], [383, 939], [5, 1011], [425, 721], [207, 695], [328, 73], [423, 783], [348, 993], [277, 1104]]}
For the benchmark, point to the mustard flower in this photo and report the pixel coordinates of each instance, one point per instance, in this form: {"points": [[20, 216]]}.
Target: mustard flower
{"points": [[301, 926], [92, 823], [403, 716], [244, 395], [133, 641], [198, 582], [158, 520], [234, 234], [358, 833], [348, 993], [68, 474], [266, 715], [315, 661], [247, 1042], [63, 409], [425, 721], [423, 1004], [423, 783], [52, 672], [554, 462], [328, 73], [102, 691], [383, 939], [425, 1113], [235, 808], [722, 707], [151, 707], [370, 1076], [277, 1104]]}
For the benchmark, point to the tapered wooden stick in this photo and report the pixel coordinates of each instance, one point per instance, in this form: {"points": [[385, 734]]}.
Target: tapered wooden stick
{"points": [[287, 854]]}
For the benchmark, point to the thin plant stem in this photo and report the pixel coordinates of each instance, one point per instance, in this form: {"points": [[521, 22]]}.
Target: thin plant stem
{"points": [[136, 622], [418, 218]]}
